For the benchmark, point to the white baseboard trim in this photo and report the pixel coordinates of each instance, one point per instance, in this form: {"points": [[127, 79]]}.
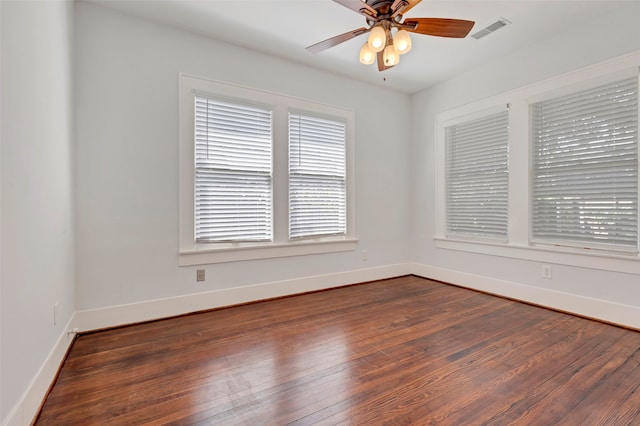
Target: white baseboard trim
{"points": [[604, 310], [25, 411], [113, 316], [27, 408]]}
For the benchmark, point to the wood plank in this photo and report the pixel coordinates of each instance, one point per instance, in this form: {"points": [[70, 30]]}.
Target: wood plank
{"points": [[400, 351]]}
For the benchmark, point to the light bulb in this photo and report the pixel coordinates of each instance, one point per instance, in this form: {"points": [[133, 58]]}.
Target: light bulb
{"points": [[367, 56], [390, 57], [402, 42], [377, 39]]}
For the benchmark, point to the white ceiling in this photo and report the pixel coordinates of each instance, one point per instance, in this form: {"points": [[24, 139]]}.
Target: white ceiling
{"points": [[285, 27]]}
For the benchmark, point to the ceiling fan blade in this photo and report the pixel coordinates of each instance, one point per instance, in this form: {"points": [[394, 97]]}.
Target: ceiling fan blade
{"points": [[358, 6], [380, 61], [334, 41], [400, 7], [441, 27]]}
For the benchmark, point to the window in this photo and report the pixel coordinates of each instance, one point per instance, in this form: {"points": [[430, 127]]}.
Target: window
{"points": [[262, 175], [317, 178], [477, 177], [573, 164], [233, 171], [585, 168]]}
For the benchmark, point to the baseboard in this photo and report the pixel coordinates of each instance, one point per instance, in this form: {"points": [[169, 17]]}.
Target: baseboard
{"points": [[113, 316], [27, 408], [603, 310]]}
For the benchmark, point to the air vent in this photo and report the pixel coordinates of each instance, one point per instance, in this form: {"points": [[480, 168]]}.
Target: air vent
{"points": [[491, 28]]}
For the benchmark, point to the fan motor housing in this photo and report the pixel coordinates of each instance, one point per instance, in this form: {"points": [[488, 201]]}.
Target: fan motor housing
{"points": [[385, 11], [382, 6]]}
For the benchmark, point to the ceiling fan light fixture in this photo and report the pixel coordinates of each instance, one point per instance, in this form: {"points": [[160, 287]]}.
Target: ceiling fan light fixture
{"points": [[377, 39], [367, 56], [402, 42], [390, 56], [383, 19]]}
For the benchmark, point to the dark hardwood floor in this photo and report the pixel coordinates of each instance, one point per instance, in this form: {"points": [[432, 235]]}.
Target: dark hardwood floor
{"points": [[398, 352]]}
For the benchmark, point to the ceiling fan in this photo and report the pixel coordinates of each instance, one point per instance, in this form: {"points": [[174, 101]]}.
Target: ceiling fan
{"points": [[382, 17]]}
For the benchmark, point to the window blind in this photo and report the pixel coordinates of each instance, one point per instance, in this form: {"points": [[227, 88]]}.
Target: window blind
{"points": [[232, 171], [477, 177], [317, 176], [585, 168]]}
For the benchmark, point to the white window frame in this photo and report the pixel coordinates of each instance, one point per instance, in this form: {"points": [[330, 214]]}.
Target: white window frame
{"points": [[464, 120], [257, 174], [593, 243], [337, 226], [191, 252], [520, 244]]}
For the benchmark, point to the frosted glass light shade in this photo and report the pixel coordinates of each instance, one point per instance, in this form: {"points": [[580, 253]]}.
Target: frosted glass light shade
{"points": [[390, 56], [377, 39], [367, 56], [402, 42]]}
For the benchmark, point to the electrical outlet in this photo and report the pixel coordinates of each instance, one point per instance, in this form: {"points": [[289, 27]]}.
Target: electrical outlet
{"points": [[200, 275], [364, 255], [546, 271]]}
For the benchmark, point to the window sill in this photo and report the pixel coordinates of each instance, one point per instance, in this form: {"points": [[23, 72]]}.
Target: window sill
{"points": [[203, 254], [593, 259]]}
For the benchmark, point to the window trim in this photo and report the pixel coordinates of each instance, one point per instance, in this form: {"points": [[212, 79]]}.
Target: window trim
{"points": [[520, 245], [264, 175], [192, 253], [464, 119], [450, 118], [598, 83], [343, 178]]}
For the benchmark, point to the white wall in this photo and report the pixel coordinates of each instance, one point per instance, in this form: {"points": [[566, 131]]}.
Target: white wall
{"points": [[611, 36], [125, 101], [37, 262], [127, 165]]}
